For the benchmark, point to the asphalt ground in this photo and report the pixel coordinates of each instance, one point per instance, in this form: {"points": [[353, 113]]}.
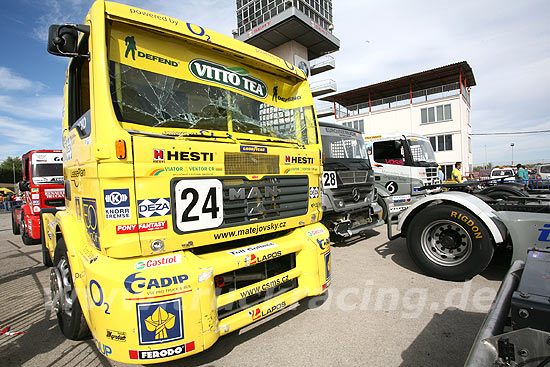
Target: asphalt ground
{"points": [[380, 311]]}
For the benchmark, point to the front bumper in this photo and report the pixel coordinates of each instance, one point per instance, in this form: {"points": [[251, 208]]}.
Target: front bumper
{"points": [[151, 310]]}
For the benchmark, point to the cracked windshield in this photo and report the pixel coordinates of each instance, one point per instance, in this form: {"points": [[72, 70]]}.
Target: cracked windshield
{"points": [[150, 99]]}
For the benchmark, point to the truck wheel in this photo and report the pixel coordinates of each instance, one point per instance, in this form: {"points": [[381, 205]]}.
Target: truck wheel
{"points": [[449, 242], [46, 258], [27, 240], [14, 226], [64, 299], [382, 204]]}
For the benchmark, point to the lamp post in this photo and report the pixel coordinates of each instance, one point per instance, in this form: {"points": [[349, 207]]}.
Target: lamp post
{"points": [[512, 145]]}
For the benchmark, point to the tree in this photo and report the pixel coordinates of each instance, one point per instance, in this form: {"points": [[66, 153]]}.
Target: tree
{"points": [[6, 170]]}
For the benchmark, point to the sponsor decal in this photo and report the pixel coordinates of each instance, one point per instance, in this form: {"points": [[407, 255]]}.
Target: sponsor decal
{"points": [[142, 227], [88, 255], [160, 322], [544, 233], [34, 189], [253, 149], [162, 353], [119, 336], [36, 202], [327, 266], [313, 192], [89, 213], [298, 160], [290, 170], [131, 49], [323, 243], [54, 193], [103, 349], [135, 284], [78, 172], [253, 259], [78, 208], [234, 77], [35, 196], [470, 223], [251, 249], [402, 199], [153, 207], [392, 187], [536, 255], [158, 154], [265, 286], [117, 204], [249, 230], [316, 205], [276, 97], [316, 231], [158, 262], [175, 155], [258, 313], [158, 171]]}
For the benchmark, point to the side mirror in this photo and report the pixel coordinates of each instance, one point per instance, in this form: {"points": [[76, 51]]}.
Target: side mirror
{"points": [[397, 144], [24, 186], [63, 39]]}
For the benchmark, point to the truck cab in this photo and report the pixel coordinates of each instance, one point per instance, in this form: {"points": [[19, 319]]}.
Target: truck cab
{"points": [[41, 187], [402, 164], [349, 196], [191, 163]]}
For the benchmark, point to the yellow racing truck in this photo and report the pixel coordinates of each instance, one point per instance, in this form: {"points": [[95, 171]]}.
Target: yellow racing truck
{"points": [[192, 166]]}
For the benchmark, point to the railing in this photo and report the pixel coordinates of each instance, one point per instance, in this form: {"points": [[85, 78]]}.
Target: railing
{"points": [[324, 110], [404, 99], [325, 60]]}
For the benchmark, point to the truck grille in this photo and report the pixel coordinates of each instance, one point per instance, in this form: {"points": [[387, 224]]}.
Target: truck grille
{"points": [[244, 277], [431, 172], [351, 177], [54, 202], [251, 164], [273, 197], [346, 194]]}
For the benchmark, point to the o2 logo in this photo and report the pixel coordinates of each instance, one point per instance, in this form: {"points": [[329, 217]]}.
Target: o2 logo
{"points": [[97, 296], [200, 33]]}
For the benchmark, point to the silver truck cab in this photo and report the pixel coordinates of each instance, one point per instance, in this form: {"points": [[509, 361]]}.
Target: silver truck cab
{"points": [[349, 196]]}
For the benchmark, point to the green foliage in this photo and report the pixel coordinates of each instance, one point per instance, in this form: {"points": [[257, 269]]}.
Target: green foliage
{"points": [[6, 170]]}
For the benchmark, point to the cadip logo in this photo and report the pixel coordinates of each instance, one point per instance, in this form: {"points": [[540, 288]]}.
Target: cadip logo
{"points": [[131, 49], [136, 285], [234, 77]]}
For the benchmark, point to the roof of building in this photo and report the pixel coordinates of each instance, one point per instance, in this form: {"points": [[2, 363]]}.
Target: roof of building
{"points": [[422, 80]]}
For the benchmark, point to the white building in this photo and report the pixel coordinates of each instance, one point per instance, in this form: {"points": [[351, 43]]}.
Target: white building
{"points": [[434, 103]]}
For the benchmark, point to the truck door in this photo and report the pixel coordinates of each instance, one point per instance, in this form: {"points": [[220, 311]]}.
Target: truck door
{"points": [[391, 169]]}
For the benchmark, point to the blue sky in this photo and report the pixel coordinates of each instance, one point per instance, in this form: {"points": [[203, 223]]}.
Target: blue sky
{"points": [[505, 43]]}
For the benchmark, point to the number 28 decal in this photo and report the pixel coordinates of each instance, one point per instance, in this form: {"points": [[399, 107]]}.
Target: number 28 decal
{"points": [[329, 180], [199, 204]]}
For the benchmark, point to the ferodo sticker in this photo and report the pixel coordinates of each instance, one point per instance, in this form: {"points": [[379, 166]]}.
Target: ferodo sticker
{"points": [[469, 222], [162, 353], [160, 322], [158, 262]]}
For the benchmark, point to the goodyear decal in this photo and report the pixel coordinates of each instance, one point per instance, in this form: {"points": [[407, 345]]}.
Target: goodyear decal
{"points": [[253, 149], [234, 77], [160, 322]]}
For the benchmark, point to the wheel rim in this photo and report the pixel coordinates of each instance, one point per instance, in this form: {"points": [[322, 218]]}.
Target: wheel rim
{"points": [[63, 294], [446, 243]]}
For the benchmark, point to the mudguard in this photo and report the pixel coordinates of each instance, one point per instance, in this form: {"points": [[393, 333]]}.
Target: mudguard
{"points": [[474, 204]]}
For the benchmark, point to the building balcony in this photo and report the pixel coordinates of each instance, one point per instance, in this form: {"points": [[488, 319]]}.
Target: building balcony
{"points": [[322, 87], [405, 99], [324, 110], [322, 64]]}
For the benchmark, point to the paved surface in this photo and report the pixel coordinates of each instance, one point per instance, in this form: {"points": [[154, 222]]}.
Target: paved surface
{"points": [[380, 311]]}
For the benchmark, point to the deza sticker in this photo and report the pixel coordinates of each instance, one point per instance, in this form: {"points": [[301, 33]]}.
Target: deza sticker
{"points": [[117, 204]]}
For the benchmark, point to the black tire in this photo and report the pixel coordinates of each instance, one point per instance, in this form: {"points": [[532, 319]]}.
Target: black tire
{"points": [[27, 240], [14, 226], [72, 324], [46, 258], [382, 203], [449, 242]]}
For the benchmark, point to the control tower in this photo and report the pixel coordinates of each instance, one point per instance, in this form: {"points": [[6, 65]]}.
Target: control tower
{"points": [[298, 31]]}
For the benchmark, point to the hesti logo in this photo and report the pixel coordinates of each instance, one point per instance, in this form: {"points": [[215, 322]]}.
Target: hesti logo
{"points": [[298, 160], [234, 77], [174, 155], [131, 49], [258, 313]]}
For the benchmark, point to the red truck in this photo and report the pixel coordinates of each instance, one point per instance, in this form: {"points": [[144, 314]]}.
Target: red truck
{"points": [[41, 187]]}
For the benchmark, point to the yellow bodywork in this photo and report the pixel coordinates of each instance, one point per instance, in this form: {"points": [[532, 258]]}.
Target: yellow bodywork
{"points": [[147, 266]]}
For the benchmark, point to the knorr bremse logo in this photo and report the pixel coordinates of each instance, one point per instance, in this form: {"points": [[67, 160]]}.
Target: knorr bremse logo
{"points": [[235, 77]]}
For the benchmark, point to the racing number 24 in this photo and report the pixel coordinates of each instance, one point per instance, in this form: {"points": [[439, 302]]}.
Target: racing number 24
{"points": [[209, 205]]}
